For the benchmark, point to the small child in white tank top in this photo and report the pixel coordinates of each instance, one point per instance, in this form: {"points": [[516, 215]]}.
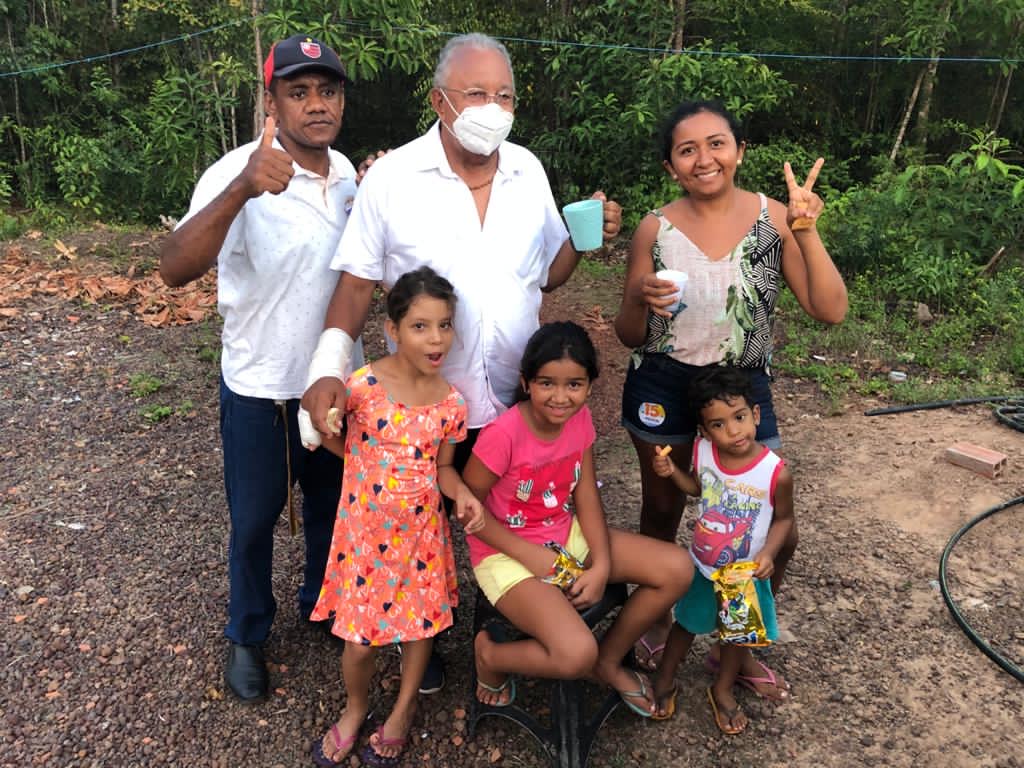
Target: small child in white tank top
{"points": [[746, 512]]}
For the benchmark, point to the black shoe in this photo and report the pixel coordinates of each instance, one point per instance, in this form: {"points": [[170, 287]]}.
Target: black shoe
{"points": [[246, 673], [324, 628], [433, 676]]}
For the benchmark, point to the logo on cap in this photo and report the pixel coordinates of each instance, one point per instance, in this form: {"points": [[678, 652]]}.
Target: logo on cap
{"points": [[311, 49]]}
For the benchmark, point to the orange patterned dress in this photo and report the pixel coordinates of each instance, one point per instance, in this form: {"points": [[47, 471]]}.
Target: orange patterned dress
{"points": [[391, 572]]}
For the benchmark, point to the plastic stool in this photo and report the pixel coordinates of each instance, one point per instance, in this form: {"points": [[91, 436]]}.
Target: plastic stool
{"points": [[569, 734]]}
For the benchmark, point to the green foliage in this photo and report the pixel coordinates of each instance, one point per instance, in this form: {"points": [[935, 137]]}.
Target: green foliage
{"points": [[127, 136], [154, 414], [606, 271], [605, 129], [10, 227], [930, 229], [79, 164], [178, 146], [763, 163], [6, 187], [144, 385], [976, 349]]}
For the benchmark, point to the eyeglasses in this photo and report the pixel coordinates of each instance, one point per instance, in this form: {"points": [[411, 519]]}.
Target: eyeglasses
{"points": [[477, 97]]}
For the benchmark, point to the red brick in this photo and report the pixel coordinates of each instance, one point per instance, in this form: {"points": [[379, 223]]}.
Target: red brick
{"points": [[984, 461]]}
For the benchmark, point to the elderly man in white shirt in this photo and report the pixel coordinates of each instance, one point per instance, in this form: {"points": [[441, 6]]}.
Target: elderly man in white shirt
{"points": [[479, 211]]}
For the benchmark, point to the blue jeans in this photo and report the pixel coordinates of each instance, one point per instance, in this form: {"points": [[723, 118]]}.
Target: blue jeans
{"points": [[256, 481]]}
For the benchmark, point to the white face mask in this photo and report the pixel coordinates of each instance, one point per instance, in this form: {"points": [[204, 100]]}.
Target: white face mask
{"points": [[480, 130]]}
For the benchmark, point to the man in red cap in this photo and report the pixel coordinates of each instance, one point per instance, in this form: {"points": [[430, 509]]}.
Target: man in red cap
{"points": [[270, 215]]}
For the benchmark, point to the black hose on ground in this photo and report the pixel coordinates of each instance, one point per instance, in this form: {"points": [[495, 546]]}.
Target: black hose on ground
{"points": [[1011, 413], [987, 649]]}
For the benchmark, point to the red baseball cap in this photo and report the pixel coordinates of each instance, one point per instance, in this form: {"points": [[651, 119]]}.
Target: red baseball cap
{"points": [[298, 53]]}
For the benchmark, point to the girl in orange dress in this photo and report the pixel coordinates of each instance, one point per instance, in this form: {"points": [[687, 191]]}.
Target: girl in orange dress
{"points": [[390, 575]]}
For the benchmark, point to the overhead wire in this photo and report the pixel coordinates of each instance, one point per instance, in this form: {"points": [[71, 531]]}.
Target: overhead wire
{"points": [[897, 59], [124, 52]]}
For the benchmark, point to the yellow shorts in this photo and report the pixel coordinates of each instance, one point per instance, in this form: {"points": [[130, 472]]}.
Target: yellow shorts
{"points": [[497, 574]]}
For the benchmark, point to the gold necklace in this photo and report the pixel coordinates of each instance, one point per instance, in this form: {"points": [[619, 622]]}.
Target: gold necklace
{"points": [[481, 186]]}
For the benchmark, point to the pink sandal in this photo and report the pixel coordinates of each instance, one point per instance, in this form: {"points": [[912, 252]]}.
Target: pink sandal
{"points": [[372, 758], [320, 757], [750, 682], [647, 663]]}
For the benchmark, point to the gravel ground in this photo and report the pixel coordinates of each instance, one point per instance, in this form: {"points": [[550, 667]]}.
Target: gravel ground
{"points": [[113, 533]]}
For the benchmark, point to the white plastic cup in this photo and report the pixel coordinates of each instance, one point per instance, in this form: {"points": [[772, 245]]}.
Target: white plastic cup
{"points": [[679, 278], [586, 223]]}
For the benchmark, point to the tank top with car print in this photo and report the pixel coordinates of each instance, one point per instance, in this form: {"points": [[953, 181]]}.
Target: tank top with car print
{"points": [[736, 507]]}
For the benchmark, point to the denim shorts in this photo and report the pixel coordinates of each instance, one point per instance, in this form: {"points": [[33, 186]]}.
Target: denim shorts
{"points": [[655, 407]]}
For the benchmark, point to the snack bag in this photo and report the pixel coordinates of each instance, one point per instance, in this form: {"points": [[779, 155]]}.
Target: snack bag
{"points": [[739, 611], [566, 568]]}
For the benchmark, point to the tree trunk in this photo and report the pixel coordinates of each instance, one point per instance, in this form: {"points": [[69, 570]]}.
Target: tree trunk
{"points": [[115, 62], [234, 116], [990, 115], [873, 77], [259, 116], [675, 42], [17, 95], [906, 116], [1002, 103], [220, 114], [995, 113], [919, 136]]}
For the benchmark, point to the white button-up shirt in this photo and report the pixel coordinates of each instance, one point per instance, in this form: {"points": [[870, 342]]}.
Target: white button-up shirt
{"points": [[413, 210], [274, 279]]}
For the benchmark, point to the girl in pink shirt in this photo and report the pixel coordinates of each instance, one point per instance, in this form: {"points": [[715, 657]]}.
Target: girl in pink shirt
{"points": [[545, 551]]}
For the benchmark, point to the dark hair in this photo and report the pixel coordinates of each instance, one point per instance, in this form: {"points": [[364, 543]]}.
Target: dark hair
{"points": [[719, 382], [689, 109], [557, 341], [417, 283]]}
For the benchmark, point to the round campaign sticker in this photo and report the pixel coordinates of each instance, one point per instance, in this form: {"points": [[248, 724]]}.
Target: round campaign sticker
{"points": [[652, 414]]}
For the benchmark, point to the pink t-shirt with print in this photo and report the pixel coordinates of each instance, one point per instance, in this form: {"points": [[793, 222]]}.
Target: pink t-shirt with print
{"points": [[536, 478]]}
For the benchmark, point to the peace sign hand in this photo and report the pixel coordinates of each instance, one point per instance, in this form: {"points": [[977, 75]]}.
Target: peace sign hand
{"points": [[804, 205]]}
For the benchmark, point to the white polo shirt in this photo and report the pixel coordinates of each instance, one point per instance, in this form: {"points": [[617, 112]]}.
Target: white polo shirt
{"points": [[413, 210], [274, 276]]}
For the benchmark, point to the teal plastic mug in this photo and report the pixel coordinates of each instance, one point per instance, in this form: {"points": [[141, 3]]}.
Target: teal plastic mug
{"points": [[586, 223]]}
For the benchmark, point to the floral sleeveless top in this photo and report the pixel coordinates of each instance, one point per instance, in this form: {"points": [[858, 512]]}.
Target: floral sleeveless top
{"points": [[727, 309]]}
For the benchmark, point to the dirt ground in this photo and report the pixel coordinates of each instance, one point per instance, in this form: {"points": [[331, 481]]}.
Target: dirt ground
{"points": [[113, 532]]}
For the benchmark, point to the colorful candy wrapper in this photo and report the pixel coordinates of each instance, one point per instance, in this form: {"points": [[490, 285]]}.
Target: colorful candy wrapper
{"points": [[739, 611], [566, 568]]}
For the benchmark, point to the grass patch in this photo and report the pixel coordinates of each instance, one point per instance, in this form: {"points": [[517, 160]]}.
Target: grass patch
{"points": [[965, 353], [208, 342], [144, 385], [154, 414], [598, 269]]}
